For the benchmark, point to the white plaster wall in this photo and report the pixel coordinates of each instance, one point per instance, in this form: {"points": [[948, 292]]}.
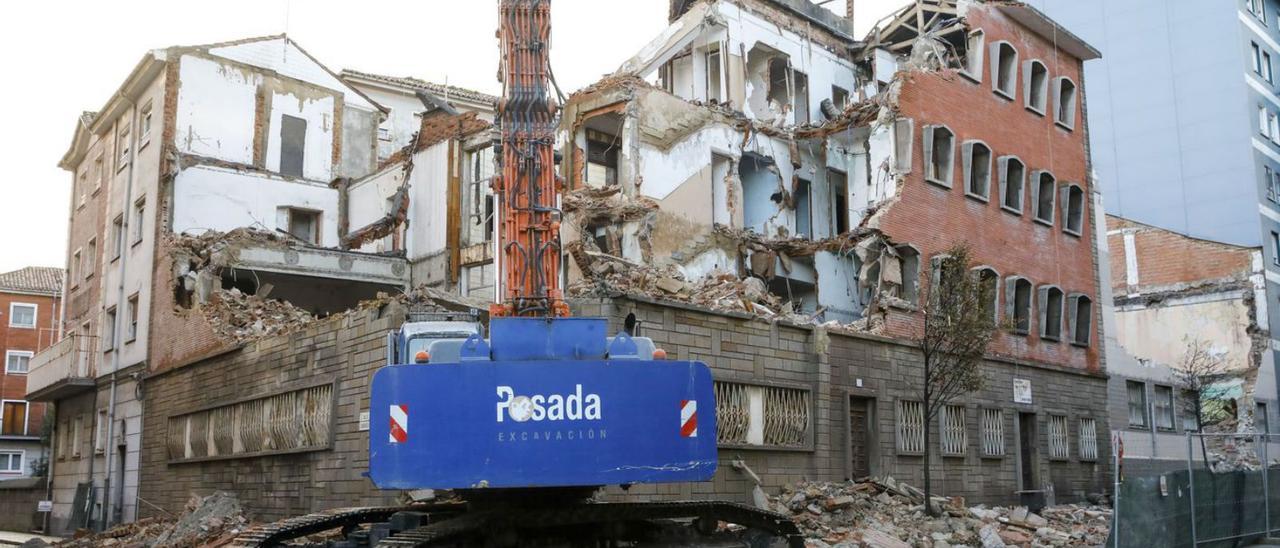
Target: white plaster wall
{"points": [[428, 185], [822, 67], [207, 198], [216, 104], [367, 201], [402, 122], [317, 157], [287, 60], [663, 171], [1161, 334]]}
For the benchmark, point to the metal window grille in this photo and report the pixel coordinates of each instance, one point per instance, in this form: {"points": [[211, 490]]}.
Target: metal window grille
{"points": [[1058, 437], [786, 416], [954, 438], [993, 432], [733, 413], [1088, 439], [294, 420], [762, 415], [910, 426]]}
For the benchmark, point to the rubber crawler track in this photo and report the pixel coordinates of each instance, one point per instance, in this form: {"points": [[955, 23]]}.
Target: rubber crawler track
{"points": [[272, 534]]}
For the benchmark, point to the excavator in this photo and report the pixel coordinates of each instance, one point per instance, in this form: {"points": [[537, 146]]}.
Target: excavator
{"points": [[525, 426]]}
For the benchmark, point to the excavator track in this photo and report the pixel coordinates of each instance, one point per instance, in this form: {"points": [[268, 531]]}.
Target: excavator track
{"points": [[274, 534], [572, 524]]}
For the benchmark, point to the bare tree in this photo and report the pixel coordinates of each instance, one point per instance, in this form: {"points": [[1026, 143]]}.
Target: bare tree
{"points": [[1198, 369], [959, 323]]}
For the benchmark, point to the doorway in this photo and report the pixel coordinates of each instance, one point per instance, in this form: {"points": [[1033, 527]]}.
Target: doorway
{"points": [[1027, 453], [860, 442]]}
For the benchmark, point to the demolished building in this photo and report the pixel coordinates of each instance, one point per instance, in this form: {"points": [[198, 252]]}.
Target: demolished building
{"points": [[756, 160], [1185, 310], [757, 188]]}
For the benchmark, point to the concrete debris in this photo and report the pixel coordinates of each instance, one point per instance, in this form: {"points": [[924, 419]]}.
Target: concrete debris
{"points": [[238, 316], [214, 520], [890, 514]]}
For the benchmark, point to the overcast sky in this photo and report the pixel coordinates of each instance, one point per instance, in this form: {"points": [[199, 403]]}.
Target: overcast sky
{"points": [[65, 57]]}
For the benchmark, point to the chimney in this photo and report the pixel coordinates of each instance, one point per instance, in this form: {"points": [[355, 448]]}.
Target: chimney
{"points": [[848, 12]]}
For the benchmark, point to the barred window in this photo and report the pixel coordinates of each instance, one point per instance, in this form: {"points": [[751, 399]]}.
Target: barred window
{"points": [[290, 421], [954, 438], [1058, 448], [1088, 439], [910, 426], [762, 415], [993, 432]]}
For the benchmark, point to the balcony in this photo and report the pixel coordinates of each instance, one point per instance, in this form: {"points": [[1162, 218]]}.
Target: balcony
{"points": [[62, 370]]}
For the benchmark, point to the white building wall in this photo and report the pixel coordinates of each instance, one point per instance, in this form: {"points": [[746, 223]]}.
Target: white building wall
{"points": [[216, 103], [367, 202], [209, 198], [317, 156], [428, 186], [288, 60]]}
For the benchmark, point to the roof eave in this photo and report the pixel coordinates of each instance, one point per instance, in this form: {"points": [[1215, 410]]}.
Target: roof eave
{"points": [[1042, 24]]}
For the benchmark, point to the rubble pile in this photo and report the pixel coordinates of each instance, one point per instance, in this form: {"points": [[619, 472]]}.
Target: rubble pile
{"points": [[890, 514], [214, 520], [235, 315]]}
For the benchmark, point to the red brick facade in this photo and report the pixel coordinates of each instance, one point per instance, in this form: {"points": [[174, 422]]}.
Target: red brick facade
{"points": [[932, 218], [18, 339], [1163, 258]]}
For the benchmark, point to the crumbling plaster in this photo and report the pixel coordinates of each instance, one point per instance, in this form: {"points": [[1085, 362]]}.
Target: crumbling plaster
{"points": [[222, 199]]}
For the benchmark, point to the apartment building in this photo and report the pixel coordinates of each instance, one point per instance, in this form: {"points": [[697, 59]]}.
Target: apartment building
{"points": [[31, 304], [207, 177], [1166, 157], [757, 142]]}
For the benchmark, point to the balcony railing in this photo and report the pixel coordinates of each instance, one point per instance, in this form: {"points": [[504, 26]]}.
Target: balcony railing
{"points": [[62, 370]]}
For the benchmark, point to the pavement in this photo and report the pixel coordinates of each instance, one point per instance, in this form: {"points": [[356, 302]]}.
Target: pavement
{"points": [[13, 539]]}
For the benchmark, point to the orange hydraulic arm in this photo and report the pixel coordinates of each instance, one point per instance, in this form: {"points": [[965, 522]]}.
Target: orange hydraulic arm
{"points": [[526, 187]]}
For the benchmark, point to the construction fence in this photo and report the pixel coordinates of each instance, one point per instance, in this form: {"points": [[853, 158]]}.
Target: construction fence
{"points": [[1228, 495]]}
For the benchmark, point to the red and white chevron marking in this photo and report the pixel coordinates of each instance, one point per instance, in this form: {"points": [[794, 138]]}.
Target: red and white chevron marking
{"points": [[399, 424], [689, 419]]}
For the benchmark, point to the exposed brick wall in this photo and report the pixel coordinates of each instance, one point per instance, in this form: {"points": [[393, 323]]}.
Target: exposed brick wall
{"points": [[1167, 259], [933, 218], [348, 348], [177, 335]]}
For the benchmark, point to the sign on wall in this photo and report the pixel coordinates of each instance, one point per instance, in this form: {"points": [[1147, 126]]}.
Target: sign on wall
{"points": [[1021, 391]]}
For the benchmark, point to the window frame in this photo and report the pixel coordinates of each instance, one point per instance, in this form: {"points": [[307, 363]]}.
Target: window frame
{"points": [[1087, 450], [144, 125], [1067, 122], [136, 228], [1068, 190], [995, 294], [8, 455], [1275, 248], [1011, 304], [930, 175], [975, 56], [109, 319], [996, 58], [10, 354], [1002, 167], [123, 154], [1073, 321], [1044, 298], [26, 416], [117, 237], [131, 309], [967, 152], [1029, 94], [35, 315], [1036, 191], [1145, 405], [1157, 412]]}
